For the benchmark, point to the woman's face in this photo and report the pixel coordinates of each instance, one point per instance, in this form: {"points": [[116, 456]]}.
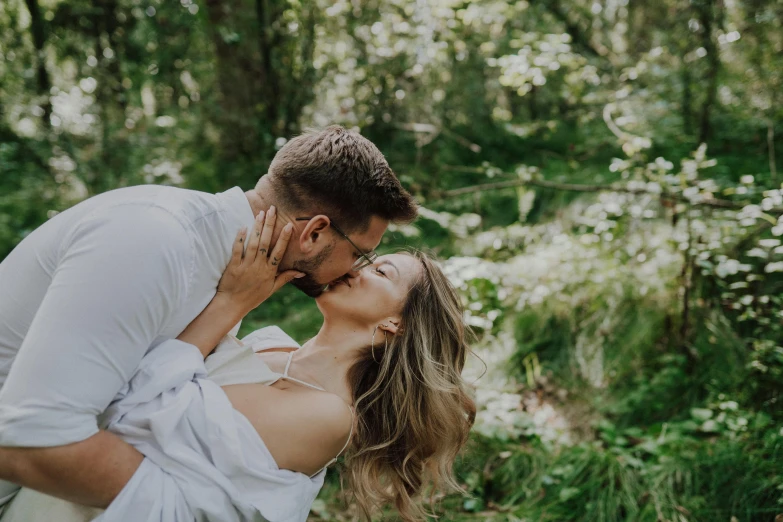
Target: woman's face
{"points": [[377, 293]]}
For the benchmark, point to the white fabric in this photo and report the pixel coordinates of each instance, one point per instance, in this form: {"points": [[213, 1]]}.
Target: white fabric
{"points": [[234, 361], [86, 295], [204, 460]]}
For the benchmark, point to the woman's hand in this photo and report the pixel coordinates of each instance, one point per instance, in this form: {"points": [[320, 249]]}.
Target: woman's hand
{"points": [[251, 275], [249, 279]]}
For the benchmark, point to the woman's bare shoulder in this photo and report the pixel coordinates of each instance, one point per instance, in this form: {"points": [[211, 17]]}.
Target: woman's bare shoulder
{"points": [[303, 429]]}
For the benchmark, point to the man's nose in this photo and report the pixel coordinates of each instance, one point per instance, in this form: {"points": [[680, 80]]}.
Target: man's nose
{"points": [[353, 273]]}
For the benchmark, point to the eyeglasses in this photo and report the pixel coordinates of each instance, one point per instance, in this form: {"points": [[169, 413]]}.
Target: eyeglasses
{"points": [[365, 259]]}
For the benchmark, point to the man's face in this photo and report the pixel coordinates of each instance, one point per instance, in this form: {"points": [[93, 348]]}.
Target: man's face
{"points": [[335, 259]]}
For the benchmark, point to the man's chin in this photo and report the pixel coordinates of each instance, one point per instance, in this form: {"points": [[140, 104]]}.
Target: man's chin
{"points": [[309, 286]]}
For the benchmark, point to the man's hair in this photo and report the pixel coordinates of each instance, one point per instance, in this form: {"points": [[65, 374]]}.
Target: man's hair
{"points": [[341, 174]]}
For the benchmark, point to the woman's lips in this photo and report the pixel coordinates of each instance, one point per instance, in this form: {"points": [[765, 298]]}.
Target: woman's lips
{"points": [[340, 281]]}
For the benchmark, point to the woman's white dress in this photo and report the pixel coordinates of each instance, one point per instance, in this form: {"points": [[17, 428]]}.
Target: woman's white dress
{"points": [[204, 460]]}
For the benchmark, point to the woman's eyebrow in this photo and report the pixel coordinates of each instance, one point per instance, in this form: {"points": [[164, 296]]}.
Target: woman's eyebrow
{"points": [[387, 262]]}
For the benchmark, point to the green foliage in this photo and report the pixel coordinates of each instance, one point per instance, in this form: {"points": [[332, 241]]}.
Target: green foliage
{"points": [[26, 190], [616, 240]]}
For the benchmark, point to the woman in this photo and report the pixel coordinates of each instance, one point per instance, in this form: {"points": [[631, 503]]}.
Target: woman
{"points": [[381, 381]]}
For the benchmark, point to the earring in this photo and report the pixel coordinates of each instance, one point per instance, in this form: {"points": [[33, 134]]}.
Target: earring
{"points": [[372, 342]]}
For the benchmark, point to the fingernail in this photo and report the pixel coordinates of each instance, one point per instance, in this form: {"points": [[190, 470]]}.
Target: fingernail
{"points": [[260, 216], [272, 209], [288, 228], [299, 276], [243, 231]]}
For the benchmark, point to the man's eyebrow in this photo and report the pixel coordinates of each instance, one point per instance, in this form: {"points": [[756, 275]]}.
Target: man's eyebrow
{"points": [[387, 262]]}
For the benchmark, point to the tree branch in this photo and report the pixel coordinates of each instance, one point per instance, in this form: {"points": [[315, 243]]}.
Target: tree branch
{"points": [[578, 36], [711, 202]]}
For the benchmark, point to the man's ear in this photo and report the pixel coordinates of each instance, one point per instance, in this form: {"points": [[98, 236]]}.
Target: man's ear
{"points": [[312, 233]]}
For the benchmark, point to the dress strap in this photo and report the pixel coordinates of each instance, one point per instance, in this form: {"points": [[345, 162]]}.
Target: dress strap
{"points": [[313, 386], [294, 379], [345, 447], [288, 363]]}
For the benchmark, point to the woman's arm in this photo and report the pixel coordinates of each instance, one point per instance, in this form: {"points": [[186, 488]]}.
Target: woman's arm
{"points": [[250, 278], [212, 324]]}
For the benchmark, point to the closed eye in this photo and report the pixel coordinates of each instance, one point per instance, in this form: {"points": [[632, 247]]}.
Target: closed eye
{"points": [[380, 271]]}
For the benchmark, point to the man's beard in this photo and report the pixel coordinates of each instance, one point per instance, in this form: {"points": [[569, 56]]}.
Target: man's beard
{"points": [[308, 284]]}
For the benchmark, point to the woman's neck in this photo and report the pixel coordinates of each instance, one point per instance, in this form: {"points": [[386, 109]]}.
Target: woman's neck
{"points": [[329, 355]]}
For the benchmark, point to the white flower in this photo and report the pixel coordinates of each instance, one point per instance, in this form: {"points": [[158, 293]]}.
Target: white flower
{"points": [[774, 267]]}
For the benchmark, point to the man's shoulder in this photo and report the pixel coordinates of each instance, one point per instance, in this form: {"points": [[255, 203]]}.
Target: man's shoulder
{"points": [[198, 213], [185, 204]]}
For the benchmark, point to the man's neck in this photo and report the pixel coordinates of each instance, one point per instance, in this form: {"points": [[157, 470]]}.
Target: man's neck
{"points": [[261, 198], [258, 202]]}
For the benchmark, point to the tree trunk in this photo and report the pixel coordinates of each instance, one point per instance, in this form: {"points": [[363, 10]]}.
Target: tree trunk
{"points": [[532, 103], [306, 78], [110, 98], [773, 171], [265, 77], [687, 100], [239, 77], [43, 83], [707, 12], [268, 38]]}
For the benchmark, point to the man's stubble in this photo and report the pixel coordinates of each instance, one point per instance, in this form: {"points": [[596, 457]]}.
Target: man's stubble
{"points": [[308, 284]]}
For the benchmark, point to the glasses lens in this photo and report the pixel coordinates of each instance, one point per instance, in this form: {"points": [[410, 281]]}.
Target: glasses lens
{"points": [[364, 261], [359, 264]]}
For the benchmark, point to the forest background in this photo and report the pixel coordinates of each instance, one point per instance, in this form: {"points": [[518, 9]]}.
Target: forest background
{"points": [[600, 179]]}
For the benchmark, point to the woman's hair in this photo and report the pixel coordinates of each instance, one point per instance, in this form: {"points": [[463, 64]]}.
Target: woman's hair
{"points": [[414, 412]]}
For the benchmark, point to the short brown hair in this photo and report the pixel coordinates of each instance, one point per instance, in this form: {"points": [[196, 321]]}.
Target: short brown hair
{"points": [[339, 173]]}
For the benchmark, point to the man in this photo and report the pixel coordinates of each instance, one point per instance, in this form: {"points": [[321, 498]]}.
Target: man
{"points": [[84, 297]]}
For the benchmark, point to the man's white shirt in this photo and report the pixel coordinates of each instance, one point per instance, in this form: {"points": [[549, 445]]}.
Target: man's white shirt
{"points": [[87, 294]]}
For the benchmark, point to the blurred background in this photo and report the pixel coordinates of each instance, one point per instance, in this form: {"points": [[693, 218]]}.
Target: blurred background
{"points": [[600, 178]]}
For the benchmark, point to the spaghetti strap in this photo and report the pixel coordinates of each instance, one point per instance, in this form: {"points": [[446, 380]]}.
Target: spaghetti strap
{"points": [[270, 339], [345, 447], [350, 408], [350, 435], [288, 363], [287, 377]]}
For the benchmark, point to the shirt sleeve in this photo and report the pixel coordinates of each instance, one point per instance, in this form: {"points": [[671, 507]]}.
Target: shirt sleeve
{"points": [[122, 274]]}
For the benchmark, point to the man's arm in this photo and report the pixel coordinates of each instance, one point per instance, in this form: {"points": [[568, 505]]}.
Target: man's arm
{"points": [[91, 472], [124, 272]]}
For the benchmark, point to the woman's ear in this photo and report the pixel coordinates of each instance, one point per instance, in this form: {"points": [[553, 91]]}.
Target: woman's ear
{"points": [[391, 325]]}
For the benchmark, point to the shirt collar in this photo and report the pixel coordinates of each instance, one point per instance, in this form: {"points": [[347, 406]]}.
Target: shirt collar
{"points": [[237, 208]]}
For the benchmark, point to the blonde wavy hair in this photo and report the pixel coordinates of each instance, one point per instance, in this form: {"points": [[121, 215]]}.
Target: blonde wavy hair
{"points": [[413, 407]]}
